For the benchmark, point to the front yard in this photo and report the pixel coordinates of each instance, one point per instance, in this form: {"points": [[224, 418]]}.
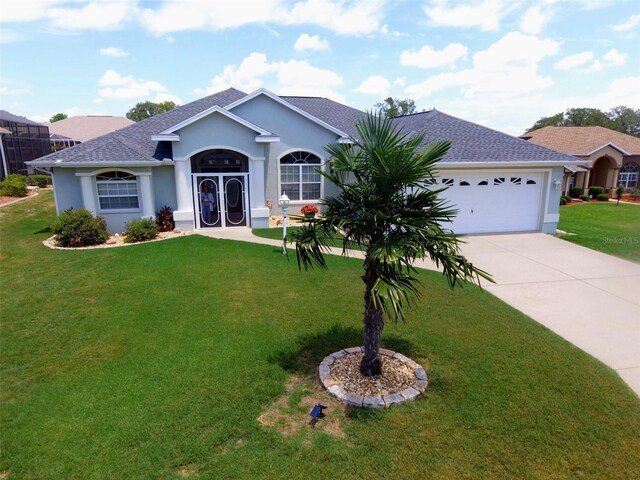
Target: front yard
{"points": [[166, 360], [607, 227]]}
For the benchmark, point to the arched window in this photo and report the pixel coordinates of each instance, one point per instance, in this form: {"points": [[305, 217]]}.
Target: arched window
{"points": [[117, 191], [299, 179], [629, 175]]}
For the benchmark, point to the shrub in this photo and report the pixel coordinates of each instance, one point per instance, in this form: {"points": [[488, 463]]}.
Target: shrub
{"points": [[38, 180], [635, 193], [14, 185], [584, 198], [563, 200], [603, 197], [595, 191], [164, 219], [575, 192], [309, 210], [79, 228], [140, 230]]}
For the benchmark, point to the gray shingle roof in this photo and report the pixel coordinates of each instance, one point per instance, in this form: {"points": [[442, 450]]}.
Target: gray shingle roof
{"points": [[474, 143], [133, 143], [335, 114], [10, 117], [471, 142]]}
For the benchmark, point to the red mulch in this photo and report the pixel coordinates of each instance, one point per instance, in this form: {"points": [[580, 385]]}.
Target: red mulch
{"points": [[5, 199]]}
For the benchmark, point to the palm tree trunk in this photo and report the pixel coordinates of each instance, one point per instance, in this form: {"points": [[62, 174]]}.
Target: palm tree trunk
{"points": [[371, 364]]}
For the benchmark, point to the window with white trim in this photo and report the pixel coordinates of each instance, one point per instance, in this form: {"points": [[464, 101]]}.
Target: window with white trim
{"points": [[628, 176], [299, 179], [117, 191]]}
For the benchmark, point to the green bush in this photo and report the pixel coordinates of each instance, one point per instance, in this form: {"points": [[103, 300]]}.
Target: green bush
{"points": [[584, 198], [635, 193], [14, 185], [564, 199], [140, 230], [595, 191], [79, 228], [575, 192], [38, 180], [603, 197]]}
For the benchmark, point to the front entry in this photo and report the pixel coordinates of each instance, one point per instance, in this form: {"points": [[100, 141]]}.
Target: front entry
{"points": [[221, 200]]}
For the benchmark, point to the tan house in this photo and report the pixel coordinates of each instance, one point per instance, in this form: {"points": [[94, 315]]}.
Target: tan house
{"points": [[79, 129], [614, 157]]}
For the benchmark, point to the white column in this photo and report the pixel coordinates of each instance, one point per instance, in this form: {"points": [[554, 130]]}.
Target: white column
{"points": [[88, 197], [183, 185], [146, 195], [259, 211]]}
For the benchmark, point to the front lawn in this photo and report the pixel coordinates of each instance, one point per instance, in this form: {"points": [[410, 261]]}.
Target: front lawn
{"points": [[155, 361], [607, 227]]}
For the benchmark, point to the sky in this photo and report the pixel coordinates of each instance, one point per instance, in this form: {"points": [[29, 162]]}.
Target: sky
{"points": [[500, 63]]}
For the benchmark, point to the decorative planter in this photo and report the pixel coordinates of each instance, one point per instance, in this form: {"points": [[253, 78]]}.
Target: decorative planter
{"points": [[338, 391]]}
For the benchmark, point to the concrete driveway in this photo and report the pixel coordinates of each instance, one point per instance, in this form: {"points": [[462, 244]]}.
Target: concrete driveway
{"points": [[589, 298]]}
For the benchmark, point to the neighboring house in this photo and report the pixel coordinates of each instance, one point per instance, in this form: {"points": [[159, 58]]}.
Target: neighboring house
{"points": [[613, 157], [238, 151], [21, 140], [73, 130]]}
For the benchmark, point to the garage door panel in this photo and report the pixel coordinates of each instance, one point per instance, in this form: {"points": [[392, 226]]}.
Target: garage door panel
{"points": [[503, 202]]}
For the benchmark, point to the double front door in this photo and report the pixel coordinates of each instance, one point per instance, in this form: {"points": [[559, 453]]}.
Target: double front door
{"points": [[221, 200]]}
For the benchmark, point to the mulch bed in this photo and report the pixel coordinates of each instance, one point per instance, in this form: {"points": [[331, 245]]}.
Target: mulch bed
{"points": [[395, 377]]}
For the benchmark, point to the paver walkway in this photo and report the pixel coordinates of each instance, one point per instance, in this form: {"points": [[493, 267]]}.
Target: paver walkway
{"points": [[589, 298]]}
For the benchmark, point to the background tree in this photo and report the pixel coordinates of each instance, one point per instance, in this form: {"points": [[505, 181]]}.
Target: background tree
{"points": [[626, 120], [57, 117], [622, 119], [394, 107], [388, 207], [144, 110]]}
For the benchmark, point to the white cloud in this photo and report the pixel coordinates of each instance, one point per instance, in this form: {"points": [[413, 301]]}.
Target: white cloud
{"points": [[22, 11], [578, 62], [485, 15], [533, 20], [632, 22], [508, 67], [105, 15], [572, 61], [356, 17], [374, 85], [120, 87], [292, 77], [310, 42], [166, 97], [9, 91], [400, 81], [113, 52], [427, 57], [11, 36]]}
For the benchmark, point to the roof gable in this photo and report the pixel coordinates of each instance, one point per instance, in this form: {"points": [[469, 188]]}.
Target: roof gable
{"points": [[169, 133], [281, 101]]}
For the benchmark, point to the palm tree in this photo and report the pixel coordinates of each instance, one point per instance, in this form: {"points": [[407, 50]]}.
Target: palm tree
{"points": [[388, 207]]}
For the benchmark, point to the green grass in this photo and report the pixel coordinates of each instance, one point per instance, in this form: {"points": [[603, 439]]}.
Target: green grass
{"points": [[276, 234], [607, 227], [144, 361]]}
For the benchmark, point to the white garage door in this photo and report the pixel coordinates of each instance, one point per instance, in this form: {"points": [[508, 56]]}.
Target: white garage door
{"points": [[500, 202]]}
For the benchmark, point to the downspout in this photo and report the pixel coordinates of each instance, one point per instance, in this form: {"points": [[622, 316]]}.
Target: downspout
{"points": [[5, 168]]}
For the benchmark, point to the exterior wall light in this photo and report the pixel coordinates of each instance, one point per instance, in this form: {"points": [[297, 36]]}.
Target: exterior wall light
{"points": [[557, 183], [284, 204]]}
